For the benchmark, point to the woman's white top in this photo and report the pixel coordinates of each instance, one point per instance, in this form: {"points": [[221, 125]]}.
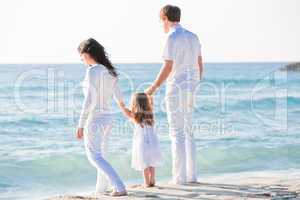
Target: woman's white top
{"points": [[99, 86], [145, 148]]}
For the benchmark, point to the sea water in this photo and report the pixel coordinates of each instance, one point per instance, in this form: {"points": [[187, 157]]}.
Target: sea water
{"points": [[246, 119]]}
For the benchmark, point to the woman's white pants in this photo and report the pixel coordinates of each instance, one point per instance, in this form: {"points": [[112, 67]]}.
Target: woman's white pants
{"points": [[95, 140]]}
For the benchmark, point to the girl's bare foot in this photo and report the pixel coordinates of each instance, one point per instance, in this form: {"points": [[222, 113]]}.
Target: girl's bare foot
{"points": [[152, 177], [146, 175], [118, 194], [152, 184]]}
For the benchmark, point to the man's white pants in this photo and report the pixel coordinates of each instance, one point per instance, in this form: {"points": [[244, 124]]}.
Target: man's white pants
{"points": [[95, 140], [179, 104]]}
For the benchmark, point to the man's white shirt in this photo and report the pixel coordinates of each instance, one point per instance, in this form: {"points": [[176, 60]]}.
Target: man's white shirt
{"points": [[183, 48]]}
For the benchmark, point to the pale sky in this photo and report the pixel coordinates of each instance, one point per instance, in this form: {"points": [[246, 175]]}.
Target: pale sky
{"points": [[49, 31]]}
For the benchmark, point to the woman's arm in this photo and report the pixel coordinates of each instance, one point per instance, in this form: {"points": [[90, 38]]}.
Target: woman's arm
{"points": [[86, 106], [88, 100]]}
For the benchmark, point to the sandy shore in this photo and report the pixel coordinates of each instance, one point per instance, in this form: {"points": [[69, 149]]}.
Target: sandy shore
{"points": [[255, 185]]}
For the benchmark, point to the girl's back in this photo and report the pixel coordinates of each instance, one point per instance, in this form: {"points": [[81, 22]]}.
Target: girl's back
{"points": [[145, 148]]}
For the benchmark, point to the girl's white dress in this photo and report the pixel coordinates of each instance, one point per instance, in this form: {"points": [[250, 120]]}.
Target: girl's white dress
{"points": [[145, 148]]}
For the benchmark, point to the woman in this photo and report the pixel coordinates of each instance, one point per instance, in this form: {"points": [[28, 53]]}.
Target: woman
{"points": [[99, 85]]}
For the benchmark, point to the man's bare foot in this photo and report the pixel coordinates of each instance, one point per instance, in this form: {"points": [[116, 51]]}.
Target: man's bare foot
{"points": [[172, 182], [193, 181], [118, 194]]}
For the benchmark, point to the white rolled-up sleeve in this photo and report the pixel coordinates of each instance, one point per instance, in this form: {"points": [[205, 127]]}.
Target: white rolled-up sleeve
{"points": [[169, 50], [88, 99]]}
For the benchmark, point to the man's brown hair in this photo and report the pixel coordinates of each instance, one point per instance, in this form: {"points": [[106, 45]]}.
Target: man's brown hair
{"points": [[172, 13]]}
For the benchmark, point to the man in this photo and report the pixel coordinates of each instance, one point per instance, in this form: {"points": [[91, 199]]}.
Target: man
{"points": [[182, 69]]}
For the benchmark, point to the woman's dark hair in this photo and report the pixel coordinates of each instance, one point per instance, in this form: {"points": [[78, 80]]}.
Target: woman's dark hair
{"points": [[172, 12], [97, 52], [142, 109]]}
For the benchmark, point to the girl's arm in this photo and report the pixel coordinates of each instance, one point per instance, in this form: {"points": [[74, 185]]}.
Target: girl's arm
{"points": [[119, 100], [125, 110], [117, 94]]}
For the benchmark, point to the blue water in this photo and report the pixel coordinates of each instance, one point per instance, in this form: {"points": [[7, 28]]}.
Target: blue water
{"points": [[246, 119]]}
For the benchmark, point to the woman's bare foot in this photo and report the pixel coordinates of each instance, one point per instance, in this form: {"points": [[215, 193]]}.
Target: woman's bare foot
{"points": [[146, 185], [136, 186], [118, 194]]}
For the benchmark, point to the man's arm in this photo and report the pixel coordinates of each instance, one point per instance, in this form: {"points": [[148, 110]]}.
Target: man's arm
{"points": [[200, 64], [161, 77]]}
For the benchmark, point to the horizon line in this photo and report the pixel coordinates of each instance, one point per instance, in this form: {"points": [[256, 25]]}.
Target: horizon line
{"points": [[117, 63]]}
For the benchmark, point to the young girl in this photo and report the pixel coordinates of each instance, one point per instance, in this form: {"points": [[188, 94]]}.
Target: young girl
{"points": [[146, 153]]}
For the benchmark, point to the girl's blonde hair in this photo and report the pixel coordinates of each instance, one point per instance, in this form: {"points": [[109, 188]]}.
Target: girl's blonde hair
{"points": [[141, 107]]}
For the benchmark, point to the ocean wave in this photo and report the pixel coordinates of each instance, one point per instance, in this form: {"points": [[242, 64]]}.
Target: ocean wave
{"points": [[33, 88], [4, 186], [24, 122], [249, 81], [254, 157], [210, 159], [232, 81], [73, 169], [31, 145], [44, 120], [267, 102]]}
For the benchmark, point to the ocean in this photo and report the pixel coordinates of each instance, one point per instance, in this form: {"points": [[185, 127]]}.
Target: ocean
{"points": [[246, 119]]}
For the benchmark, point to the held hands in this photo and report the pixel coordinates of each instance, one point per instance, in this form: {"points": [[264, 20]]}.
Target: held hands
{"points": [[124, 109], [150, 90], [79, 133]]}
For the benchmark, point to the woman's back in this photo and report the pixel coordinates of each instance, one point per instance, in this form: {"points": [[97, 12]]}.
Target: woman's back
{"points": [[102, 86]]}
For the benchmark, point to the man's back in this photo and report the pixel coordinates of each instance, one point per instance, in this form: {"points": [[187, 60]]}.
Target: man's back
{"points": [[183, 48]]}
